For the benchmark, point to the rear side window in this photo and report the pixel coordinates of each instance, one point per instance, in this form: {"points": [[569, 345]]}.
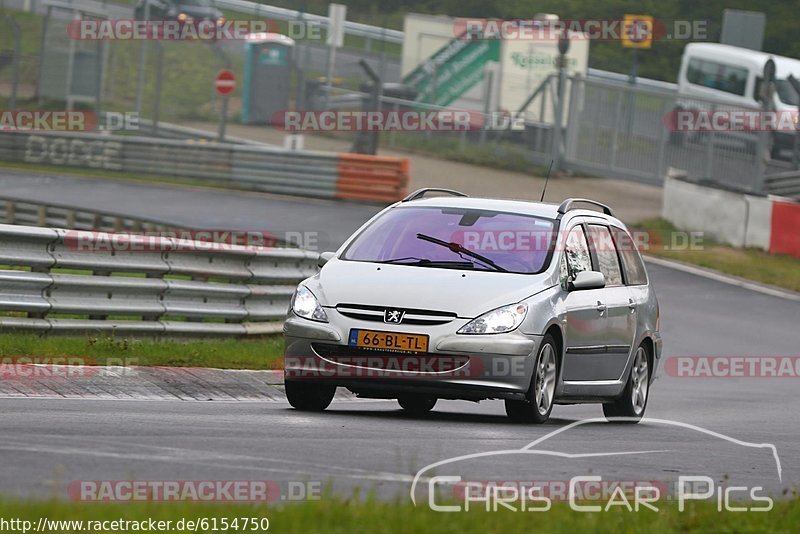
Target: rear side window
{"points": [[719, 76], [606, 252], [635, 274]]}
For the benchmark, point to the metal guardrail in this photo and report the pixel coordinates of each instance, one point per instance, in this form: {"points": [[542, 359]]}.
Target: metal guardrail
{"points": [[145, 285], [166, 130], [252, 167], [25, 212]]}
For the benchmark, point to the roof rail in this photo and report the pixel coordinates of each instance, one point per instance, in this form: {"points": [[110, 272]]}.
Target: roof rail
{"points": [[419, 193], [567, 205]]}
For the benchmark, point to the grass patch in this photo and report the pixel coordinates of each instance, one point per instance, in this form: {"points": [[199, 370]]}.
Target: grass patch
{"points": [[750, 263], [352, 516], [497, 155], [259, 353]]}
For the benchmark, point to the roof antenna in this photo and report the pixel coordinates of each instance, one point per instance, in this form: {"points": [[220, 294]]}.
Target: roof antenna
{"points": [[547, 179]]}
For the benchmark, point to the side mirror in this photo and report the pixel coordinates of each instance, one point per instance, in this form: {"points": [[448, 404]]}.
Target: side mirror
{"points": [[588, 280], [324, 258]]}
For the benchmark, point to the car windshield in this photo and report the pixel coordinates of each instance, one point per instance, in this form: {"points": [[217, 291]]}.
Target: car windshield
{"points": [[456, 238]]}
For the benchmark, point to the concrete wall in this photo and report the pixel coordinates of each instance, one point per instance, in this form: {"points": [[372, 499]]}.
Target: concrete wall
{"points": [[738, 219], [722, 215]]}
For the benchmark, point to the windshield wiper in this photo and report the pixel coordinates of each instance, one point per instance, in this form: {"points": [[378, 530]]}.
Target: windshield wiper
{"points": [[424, 262], [459, 249]]}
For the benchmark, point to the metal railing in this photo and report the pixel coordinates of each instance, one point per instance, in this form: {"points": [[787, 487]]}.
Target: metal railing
{"points": [[25, 212], [783, 183], [78, 281]]}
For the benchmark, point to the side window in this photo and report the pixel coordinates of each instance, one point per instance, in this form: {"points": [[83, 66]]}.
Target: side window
{"points": [[719, 76], [606, 254], [635, 274], [576, 252]]}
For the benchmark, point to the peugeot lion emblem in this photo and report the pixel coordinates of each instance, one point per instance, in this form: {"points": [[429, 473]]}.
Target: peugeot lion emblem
{"points": [[393, 316]]}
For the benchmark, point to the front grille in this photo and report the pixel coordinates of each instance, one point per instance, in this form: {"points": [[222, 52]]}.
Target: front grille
{"points": [[413, 316]]}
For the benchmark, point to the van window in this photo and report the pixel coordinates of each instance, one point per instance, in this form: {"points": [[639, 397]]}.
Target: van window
{"points": [[783, 88], [786, 92], [717, 76]]}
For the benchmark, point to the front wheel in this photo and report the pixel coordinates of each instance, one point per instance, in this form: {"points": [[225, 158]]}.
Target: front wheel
{"points": [[537, 407], [416, 405], [633, 402], [309, 397]]}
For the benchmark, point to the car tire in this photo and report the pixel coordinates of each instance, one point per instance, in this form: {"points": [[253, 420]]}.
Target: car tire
{"points": [[633, 402], [416, 405], [309, 397], [541, 393]]}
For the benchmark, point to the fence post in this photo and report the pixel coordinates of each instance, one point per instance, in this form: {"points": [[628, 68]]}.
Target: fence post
{"points": [[142, 65], [488, 76], [615, 133], [662, 142], [710, 148], [557, 146], [41, 215], [11, 211], [14, 61]]}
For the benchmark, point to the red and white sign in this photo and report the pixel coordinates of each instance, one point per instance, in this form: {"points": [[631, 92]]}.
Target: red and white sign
{"points": [[225, 83]]}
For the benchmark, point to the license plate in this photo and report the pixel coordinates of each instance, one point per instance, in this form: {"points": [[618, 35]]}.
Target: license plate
{"points": [[371, 339]]}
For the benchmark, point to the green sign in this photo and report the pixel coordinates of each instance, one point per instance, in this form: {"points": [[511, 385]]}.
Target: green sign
{"points": [[453, 70]]}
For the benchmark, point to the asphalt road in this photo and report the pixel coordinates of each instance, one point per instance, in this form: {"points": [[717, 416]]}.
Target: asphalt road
{"points": [[46, 443], [327, 223]]}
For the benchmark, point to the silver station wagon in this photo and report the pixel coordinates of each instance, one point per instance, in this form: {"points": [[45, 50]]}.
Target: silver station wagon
{"points": [[452, 297]]}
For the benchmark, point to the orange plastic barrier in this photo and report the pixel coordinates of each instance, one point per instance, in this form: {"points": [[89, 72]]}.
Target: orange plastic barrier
{"points": [[378, 178]]}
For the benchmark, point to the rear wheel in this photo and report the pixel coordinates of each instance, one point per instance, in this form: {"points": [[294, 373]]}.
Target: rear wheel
{"points": [[537, 407], [416, 405], [633, 402], [309, 397]]}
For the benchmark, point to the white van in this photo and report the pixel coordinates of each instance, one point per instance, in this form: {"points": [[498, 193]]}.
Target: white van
{"points": [[733, 75]]}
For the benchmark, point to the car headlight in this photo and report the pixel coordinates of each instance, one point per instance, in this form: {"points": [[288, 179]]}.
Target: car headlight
{"points": [[497, 321], [306, 305]]}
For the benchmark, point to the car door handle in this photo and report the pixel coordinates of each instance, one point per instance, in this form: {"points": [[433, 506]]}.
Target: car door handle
{"points": [[601, 307], [632, 305]]}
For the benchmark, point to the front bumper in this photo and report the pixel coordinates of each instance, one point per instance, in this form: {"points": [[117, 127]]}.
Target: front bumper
{"points": [[471, 367]]}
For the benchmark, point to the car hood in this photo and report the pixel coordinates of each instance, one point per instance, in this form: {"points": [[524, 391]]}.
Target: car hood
{"points": [[466, 293]]}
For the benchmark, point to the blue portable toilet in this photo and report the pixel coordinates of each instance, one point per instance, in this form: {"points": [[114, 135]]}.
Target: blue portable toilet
{"points": [[267, 76]]}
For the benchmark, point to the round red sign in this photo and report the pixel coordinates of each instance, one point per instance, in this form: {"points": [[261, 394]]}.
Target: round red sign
{"points": [[225, 83]]}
